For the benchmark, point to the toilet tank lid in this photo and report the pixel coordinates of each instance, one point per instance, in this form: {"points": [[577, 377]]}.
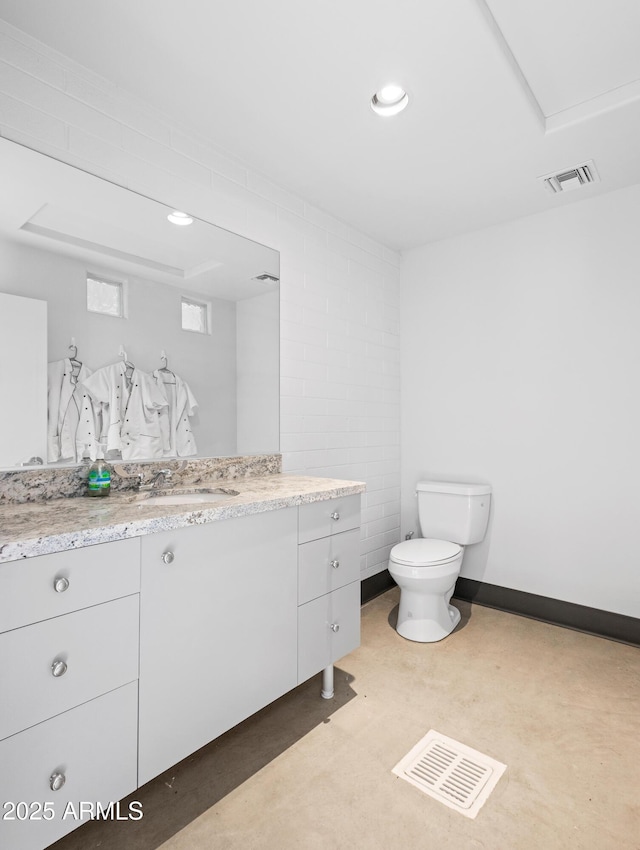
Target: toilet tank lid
{"points": [[457, 488]]}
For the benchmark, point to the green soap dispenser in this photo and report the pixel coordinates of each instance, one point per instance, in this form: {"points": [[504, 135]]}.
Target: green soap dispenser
{"points": [[99, 480]]}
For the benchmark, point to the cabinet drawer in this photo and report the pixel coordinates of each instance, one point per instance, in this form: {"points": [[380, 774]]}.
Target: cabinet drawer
{"points": [[320, 519], [93, 746], [328, 628], [327, 564], [94, 574], [99, 645]]}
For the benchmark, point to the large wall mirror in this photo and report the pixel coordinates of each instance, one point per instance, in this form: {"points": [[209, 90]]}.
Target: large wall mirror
{"points": [[94, 274]]}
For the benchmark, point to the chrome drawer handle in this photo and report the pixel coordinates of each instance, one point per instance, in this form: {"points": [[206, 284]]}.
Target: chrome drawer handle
{"points": [[60, 584], [335, 564], [56, 781], [335, 515], [58, 668], [334, 627], [168, 557]]}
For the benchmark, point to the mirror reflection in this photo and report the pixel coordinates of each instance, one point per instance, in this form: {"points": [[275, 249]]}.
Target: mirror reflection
{"points": [[128, 328]]}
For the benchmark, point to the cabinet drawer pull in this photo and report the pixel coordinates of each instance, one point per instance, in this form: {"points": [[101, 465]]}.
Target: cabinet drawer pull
{"points": [[335, 564], [334, 627], [56, 781], [168, 557], [335, 515], [58, 668], [60, 584]]}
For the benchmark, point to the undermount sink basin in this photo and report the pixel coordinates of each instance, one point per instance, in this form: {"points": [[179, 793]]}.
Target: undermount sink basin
{"points": [[185, 497]]}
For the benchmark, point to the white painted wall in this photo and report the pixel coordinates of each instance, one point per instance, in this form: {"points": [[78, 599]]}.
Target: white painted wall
{"points": [[520, 357], [340, 402]]}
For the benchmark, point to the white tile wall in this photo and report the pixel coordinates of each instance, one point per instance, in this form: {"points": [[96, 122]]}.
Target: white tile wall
{"points": [[340, 392]]}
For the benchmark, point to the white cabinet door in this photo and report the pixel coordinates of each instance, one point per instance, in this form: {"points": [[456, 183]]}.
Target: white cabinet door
{"points": [[218, 631]]}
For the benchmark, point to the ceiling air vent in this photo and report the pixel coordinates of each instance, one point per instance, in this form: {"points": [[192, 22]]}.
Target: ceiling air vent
{"points": [[572, 178], [267, 278]]}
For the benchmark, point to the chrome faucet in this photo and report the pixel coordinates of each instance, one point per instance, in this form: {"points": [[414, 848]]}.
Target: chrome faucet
{"points": [[162, 476]]}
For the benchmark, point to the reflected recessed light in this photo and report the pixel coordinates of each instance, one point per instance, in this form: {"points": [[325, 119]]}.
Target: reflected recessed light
{"points": [[389, 100], [177, 217]]}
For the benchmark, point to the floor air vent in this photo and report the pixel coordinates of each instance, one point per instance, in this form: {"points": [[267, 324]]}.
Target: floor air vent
{"points": [[572, 178], [450, 772]]}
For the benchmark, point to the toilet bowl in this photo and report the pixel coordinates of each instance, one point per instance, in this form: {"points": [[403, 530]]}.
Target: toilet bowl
{"points": [[452, 515], [426, 571]]}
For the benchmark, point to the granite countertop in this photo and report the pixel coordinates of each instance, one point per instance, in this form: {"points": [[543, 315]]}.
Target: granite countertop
{"points": [[56, 525]]}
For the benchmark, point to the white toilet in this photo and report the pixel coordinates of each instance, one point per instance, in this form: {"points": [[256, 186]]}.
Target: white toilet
{"points": [[452, 516]]}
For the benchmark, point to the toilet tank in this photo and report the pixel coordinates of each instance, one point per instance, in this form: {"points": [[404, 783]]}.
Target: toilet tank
{"points": [[453, 511]]}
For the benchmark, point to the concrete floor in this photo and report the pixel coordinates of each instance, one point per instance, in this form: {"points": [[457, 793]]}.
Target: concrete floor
{"points": [[561, 709]]}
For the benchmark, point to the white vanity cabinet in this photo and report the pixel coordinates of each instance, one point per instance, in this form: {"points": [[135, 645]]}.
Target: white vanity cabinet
{"points": [[218, 630], [121, 659], [69, 626], [328, 583]]}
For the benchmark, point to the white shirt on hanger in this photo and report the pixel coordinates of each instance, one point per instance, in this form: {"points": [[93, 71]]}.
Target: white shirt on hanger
{"points": [[72, 419], [177, 435], [130, 421]]}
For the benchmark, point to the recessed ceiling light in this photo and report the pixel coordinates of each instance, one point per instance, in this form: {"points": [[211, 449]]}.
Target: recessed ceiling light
{"points": [[389, 100], [181, 218]]}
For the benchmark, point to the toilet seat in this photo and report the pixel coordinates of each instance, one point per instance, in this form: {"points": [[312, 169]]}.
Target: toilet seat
{"points": [[425, 552]]}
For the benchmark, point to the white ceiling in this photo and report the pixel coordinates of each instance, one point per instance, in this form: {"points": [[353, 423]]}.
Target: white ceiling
{"points": [[501, 92], [573, 53]]}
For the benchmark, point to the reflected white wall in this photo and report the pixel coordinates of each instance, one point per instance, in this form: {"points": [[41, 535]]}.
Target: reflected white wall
{"points": [[258, 372], [207, 362]]}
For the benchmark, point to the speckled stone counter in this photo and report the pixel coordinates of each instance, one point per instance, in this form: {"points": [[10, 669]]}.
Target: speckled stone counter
{"points": [[54, 482], [56, 525]]}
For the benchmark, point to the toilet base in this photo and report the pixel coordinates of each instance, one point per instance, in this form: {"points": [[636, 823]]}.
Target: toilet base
{"points": [[424, 613], [425, 629]]}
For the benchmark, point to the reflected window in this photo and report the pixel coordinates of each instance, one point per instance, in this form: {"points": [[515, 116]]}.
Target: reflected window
{"points": [[105, 296], [195, 316]]}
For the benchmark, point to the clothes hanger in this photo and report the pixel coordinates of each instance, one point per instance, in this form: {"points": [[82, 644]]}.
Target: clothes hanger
{"points": [[129, 367], [168, 377], [76, 364]]}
